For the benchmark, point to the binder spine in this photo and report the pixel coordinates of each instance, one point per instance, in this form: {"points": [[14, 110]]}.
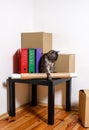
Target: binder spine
{"points": [[38, 56], [31, 60], [23, 64]]}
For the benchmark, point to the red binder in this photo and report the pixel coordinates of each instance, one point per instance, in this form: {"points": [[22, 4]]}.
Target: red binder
{"points": [[23, 60], [16, 62]]}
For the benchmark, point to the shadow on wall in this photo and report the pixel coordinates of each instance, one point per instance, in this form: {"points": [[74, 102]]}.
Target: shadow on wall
{"points": [[22, 94], [60, 90]]}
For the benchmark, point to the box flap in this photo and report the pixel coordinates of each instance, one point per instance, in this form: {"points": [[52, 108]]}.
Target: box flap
{"points": [[84, 107], [86, 91]]}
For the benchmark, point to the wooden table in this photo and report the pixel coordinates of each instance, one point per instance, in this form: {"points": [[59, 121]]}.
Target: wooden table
{"points": [[50, 84]]}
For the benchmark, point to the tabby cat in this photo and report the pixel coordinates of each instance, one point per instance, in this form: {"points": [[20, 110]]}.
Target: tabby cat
{"points": [[47, 63]]}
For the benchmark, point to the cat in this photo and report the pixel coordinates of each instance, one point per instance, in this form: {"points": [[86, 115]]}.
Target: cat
{"points": [[47, 63]]}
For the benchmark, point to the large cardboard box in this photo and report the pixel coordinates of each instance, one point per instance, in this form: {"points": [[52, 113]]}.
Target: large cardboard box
{"points": [[37, 40], [84, 107], [65, 63]]}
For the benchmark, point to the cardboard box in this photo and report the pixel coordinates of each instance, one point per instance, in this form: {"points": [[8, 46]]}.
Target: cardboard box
{"points": [[37, 40], [84, 107], [65, 63]]}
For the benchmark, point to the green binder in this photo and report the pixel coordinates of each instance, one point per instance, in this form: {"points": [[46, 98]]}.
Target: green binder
{"points": [[31, 60]]}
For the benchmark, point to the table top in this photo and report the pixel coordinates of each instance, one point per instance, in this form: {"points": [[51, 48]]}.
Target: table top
{"points": [[40, 81], [42, 75]]}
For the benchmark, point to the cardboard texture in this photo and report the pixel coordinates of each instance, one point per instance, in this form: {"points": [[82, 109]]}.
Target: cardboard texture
{"points": [[84, 107], [37, 40], [65, 63]]}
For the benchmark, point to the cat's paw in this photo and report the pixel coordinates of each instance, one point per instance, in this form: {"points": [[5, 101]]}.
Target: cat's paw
{"points": [[49, 76]]}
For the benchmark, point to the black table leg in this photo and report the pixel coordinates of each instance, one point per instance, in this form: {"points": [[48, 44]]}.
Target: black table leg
{"points": [[34, 95], [68, 95], [50, 104], [11, 98]]}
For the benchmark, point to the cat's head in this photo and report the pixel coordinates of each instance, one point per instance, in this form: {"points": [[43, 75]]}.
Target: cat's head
{"points": [[52, 55]]}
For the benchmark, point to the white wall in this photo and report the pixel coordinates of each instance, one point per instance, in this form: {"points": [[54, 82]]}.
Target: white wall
{"points": [[68, 20], [15, 17]]}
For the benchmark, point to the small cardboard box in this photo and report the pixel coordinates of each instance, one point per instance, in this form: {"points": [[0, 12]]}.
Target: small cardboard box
{"points": [[84, 107], [37, 40], [65, 63]]}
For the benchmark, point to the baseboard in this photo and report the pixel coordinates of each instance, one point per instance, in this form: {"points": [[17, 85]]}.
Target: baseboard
{"points": [[5, 115], [58, 106]]}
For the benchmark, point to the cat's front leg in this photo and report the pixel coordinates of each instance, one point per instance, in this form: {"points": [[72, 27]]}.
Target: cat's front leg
{"points": [[49, 74]]}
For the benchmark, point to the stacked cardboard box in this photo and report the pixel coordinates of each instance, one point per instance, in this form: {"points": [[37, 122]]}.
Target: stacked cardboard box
{"points": [[65, 63], [37, 40]]}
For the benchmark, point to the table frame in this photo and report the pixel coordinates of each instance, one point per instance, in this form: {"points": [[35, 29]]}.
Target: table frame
{"points": [[51, 94]]}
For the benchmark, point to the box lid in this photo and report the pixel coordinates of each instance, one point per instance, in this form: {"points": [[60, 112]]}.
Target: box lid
{"points": [[86, 91]]}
